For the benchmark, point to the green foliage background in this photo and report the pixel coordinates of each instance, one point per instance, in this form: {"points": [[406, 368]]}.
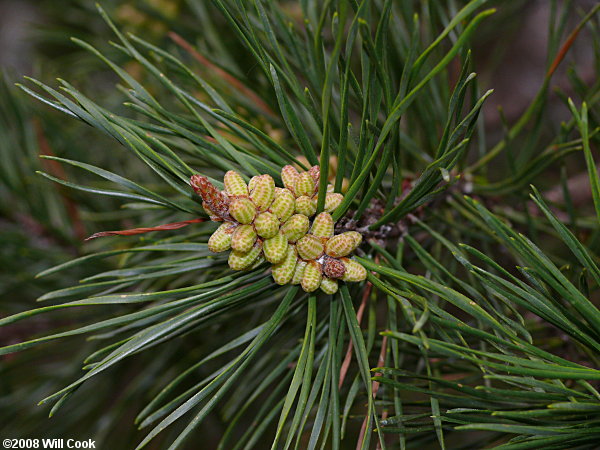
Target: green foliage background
{"points": [[478, 326]]}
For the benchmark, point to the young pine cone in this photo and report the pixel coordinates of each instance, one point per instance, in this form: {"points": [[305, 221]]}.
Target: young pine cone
{"points": [[305, 187]]}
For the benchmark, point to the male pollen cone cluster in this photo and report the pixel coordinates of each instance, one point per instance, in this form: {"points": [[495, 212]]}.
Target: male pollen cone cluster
{"points": [[265, 222]]}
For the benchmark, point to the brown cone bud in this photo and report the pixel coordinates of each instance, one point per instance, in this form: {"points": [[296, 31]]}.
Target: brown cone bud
{"points": [[215, 200], [333, 268]]}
